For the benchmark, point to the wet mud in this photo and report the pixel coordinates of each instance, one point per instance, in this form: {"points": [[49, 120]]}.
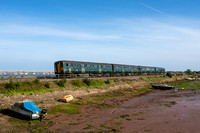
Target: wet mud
{"points": [[159, 111]]}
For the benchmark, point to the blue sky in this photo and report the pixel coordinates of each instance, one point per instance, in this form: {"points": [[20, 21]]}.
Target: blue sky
{"points": [[36, 33]]}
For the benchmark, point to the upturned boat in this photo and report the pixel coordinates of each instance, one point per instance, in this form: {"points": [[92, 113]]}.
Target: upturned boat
{"points": [[162, 86], [29, 110]]}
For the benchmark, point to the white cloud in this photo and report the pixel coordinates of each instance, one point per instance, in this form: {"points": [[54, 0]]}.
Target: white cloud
{"points": [[154, 42], [156, 10], [48, 31]]}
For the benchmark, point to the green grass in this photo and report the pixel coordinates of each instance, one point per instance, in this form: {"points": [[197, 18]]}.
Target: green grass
{"points": [[65, 108], [17, 120], [118, 123], [31, 126], [88, 127], [152, 78], [73, 124], [31, 87], [24, 88], [187, 85], [120, 92], [147, 130]]}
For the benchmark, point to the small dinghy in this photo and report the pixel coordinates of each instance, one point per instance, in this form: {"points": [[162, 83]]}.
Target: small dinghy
{"points": [[29, 110], [162, 87]]}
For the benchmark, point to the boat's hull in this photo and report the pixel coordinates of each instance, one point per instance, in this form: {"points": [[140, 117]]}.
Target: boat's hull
{"points": [[25, 113], [162, 87]]}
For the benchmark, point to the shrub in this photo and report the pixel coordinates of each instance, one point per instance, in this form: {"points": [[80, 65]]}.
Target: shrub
{"points": [[36, 81], [13, 85], [18, 84], [188, 72], [61, 83], [115, 80], [89, 82], [169, 74], [141, 78], [179, 74], [47, 85], [10, 85], [76, 82], [107, 81]]}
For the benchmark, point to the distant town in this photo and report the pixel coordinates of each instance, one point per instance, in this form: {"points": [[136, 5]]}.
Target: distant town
{"points": [[20, 74]]}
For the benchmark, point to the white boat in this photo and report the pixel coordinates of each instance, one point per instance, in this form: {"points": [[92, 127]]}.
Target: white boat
{"points": [[29, 110]]}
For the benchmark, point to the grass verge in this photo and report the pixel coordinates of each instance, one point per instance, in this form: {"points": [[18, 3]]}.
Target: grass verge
{"points": [[67, 108], [187, 85]]}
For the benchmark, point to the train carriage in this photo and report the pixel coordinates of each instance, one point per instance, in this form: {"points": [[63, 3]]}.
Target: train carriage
{"points": [[118, 68]]}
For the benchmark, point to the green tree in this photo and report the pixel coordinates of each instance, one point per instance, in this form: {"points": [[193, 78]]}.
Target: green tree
{"points": [[169, 74], [188, 72]]}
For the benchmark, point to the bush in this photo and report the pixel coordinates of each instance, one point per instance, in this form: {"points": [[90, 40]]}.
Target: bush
{"points": [[188, 72], [179, 74], [116, 80], [36, 81], [107, 81], [61, 83], [169, 74], [13, 85], [10, 85], [47, 85], [89, 82], [18, 84], [76, 82]]}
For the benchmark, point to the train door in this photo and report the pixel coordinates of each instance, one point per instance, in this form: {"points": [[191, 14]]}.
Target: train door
{"points": [[82, 68], [58, 67], [55, 68], [122, 69], [100, 71], [62, 67]]}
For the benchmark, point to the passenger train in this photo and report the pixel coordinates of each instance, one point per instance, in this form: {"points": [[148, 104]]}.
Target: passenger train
{"points": [[69, 69]]}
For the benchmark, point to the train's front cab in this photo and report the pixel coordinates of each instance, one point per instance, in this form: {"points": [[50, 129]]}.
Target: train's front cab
{"points": [[59, 67]]}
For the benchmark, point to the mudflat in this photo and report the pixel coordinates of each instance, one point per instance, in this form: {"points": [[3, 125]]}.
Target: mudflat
{"points": [[159, 111]]}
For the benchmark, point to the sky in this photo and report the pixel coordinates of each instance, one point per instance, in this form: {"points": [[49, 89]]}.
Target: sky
{"points": [[36, 33]]}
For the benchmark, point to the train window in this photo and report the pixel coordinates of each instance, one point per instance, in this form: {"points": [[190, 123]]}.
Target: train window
{"points": [[67, 64]]}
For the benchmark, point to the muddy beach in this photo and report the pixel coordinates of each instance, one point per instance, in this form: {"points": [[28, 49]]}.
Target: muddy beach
{"points": [[159, 111]]}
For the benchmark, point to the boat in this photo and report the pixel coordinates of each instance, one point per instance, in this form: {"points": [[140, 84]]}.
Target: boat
{"points": [[162, 87], [29, 110]]}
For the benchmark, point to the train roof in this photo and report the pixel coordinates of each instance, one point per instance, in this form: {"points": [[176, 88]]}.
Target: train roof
{"points": [[82, 62]]}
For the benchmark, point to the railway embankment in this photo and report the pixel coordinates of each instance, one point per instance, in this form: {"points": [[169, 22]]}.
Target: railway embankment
{"points": [[41, 90]]}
